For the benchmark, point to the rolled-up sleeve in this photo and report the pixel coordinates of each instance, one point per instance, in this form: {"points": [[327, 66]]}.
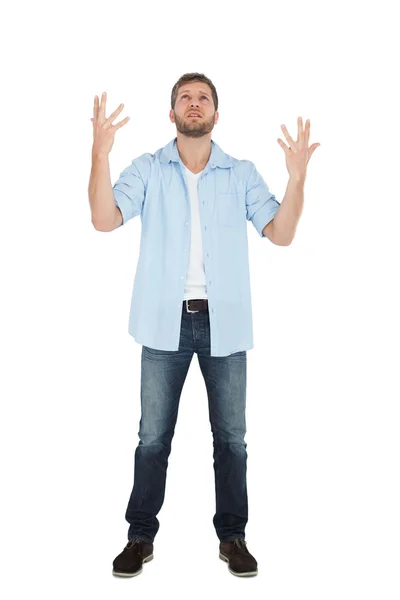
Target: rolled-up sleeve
{"points": [[129, 192], [261, 205]]}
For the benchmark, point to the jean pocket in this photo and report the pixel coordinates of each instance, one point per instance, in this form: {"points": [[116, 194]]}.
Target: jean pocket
{"points": [[155, 353]]}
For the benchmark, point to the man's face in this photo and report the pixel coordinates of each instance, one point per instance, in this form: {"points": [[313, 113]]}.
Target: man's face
{"points": [[194, 97]]}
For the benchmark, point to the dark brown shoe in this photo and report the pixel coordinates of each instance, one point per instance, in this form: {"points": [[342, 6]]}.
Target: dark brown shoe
{"points": [[240, 561], [129, 562]]}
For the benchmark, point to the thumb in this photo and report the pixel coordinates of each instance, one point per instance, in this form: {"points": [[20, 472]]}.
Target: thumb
{"points": [[313, 148]]}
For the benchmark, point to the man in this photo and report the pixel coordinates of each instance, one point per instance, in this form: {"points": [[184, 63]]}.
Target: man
{"points": [[192, 295]]}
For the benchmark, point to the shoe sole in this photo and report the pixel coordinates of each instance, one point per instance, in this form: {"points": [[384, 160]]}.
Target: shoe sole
{"points": [[122, 574], [248, 574]]}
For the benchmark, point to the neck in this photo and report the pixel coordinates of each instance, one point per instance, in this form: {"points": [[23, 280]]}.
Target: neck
{"points": [[194, 152]]}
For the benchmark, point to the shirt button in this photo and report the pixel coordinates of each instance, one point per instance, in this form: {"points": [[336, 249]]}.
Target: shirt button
{"points": [[182, 277], [187, 223]]}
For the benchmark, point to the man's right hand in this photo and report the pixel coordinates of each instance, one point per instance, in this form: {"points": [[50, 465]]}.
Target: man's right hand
{"points": [[103, 129]]}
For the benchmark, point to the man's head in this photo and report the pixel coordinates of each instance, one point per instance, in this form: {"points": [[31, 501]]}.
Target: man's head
{"points": [[194, 93]]}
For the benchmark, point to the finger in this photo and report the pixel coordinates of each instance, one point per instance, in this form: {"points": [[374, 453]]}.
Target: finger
{"points": [[307, 133], [311, 151], [102, 109], [121, 123], [96, 107], [115, 113], [314, 147], [300, 130], [282, 144], [289, 138]]}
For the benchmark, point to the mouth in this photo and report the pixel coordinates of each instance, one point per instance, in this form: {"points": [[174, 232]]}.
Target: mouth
{"points": [[194, 116]]}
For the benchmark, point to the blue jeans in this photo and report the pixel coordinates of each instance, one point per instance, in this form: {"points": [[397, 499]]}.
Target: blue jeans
{"points": [[163, 374]]}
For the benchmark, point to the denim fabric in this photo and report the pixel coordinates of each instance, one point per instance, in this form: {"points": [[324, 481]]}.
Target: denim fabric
{"points": [[163, 374]]}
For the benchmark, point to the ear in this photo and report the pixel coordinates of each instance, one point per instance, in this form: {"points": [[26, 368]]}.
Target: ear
{"points": [[216, 117], [171, 116]]}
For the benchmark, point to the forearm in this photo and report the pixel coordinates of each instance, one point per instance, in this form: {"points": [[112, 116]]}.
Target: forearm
{"points": [[288, 214], [101, 197]]}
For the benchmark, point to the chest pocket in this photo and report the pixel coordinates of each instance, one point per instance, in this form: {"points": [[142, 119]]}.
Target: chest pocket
{"points": [[229, 210]]}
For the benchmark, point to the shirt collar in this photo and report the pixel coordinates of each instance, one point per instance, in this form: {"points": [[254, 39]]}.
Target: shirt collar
{"points": [[218, 158]]}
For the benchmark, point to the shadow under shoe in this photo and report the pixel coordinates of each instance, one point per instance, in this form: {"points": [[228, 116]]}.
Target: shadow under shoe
{"points": [[129, 562], [240, 561]]}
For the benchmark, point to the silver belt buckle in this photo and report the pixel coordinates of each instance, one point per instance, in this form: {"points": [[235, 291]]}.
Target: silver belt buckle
{"points": [[187, 307]]}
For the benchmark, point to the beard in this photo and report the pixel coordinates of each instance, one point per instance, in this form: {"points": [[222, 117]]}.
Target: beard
{"points": [[194, 129]]}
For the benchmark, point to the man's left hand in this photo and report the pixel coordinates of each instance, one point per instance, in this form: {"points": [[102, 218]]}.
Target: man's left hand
{"points": [[298, 154]]}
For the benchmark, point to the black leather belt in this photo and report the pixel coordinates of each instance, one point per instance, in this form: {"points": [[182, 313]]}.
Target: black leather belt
{"points": [[195, 305]]}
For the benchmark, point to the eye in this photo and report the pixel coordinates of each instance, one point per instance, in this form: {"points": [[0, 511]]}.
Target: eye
{"points": [[184, 95]]}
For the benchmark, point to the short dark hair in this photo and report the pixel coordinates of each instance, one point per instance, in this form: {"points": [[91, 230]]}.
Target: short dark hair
{"points": [[193, 77]]}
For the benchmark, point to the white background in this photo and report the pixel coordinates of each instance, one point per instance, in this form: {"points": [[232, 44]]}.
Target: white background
{"points": [[323, 389]]}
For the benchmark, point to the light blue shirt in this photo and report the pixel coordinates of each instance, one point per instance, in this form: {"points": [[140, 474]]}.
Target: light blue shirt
{"points": [[231, 192]]}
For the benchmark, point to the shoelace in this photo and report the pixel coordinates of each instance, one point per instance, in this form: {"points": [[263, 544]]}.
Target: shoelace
{"points": [[241, 544], [132, 543]]}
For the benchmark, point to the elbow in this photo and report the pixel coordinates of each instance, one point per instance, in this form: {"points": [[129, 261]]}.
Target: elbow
{"points": [[277, 237], [101, 226], [283, 243], [283, 238]]}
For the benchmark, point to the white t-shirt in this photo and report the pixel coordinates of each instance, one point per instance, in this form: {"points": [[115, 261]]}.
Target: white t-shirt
{"points": [[195, 286]]}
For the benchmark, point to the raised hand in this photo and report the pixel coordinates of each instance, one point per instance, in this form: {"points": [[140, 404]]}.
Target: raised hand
{"points": [[298, 153], [103, 129]]}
